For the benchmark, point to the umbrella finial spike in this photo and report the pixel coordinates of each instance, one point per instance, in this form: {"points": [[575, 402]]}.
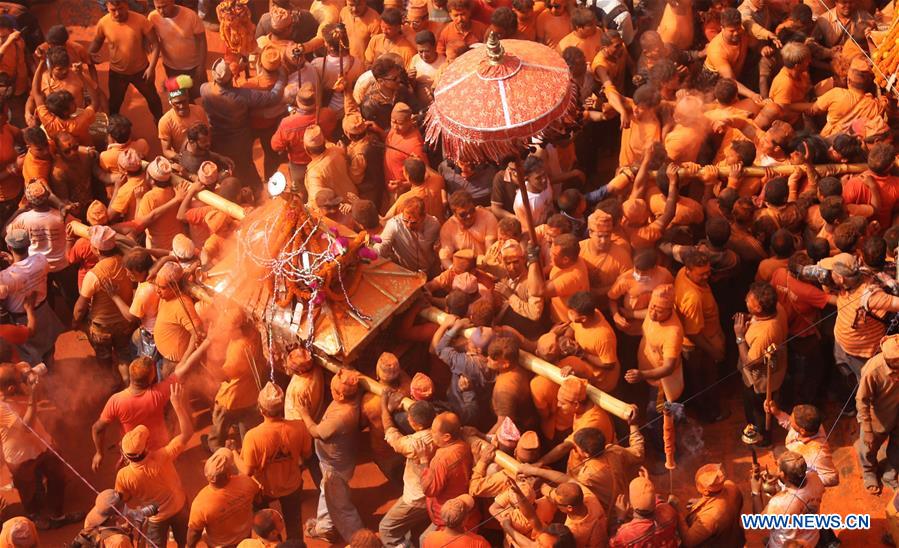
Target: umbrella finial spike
{"points": [[495, 49]]}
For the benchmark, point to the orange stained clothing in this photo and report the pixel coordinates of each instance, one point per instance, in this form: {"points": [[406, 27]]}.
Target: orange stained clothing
{"points": [[551, 29], [431, 193], [634, 137], [857, 333], [442, 537], [174, 327], [125, 200], [126, 42], [663, 341], [767, 268], [360, 29], [786, 90], [173, 128], [277, 450], [36, 168], [103, 309], [78, 125], [239, 390], [225, 513], [698, 310], [844, 106], [450, 35], [567, 281], [677, 26], [398, 148], [380, 44], [762, 333], [721, 54], [633, 295], [608, 474], [597, 338], [592, 529], [109, 158], [589, 45], [615, 68], [308, 386], [178, 38], [71, 83], [604, 267], [687, 211], [593, 417], [154, 480], [162, 231], [10, 185], [683, 143], [544, 392], [453, 237]]}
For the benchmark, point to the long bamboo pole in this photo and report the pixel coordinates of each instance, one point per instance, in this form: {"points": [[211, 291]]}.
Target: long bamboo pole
{"points": [[545, 369], [211, 198], [787, 169]]}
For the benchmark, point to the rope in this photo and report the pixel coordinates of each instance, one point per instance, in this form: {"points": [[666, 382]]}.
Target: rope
{"points": [[133, 525]]}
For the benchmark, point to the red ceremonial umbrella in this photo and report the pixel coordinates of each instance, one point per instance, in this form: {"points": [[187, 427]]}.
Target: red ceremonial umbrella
{"points": [[492, 101]]}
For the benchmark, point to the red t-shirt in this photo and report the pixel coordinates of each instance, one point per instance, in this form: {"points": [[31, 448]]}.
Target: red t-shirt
{"points": [[147, 408], [800, 300], [855, 192], [81, 254]]}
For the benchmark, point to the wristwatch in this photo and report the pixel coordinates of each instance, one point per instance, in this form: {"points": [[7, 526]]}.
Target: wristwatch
{"points": [[740, 340]]}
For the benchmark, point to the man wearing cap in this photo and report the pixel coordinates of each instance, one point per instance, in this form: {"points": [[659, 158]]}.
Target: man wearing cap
{"points": [[299, 26], [275, 453], [391, 375], [161, 231], [454, 515], [228, 108], [714, 518], [488, 479], [103, 525], [307, 384], [801, 494], [328, 166], [109, 332], [519, 290], [150, 476], [365, 153], [654, 522], [288, 137], [25, 447], [26, 276], [177, 321], [408, 514], [338, 69], [19, 532], [182, 41], [172, 127], [264, 121], [224, 507], [336, 445], [403, 141], [573, 399], [877, 403], [46, 228], [127, 190], [128, 33]]}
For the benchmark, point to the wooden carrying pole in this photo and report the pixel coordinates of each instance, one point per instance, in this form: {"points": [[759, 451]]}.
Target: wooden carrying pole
{"points": [[545, 369], [371, 385], [211, 198], [787, 169]]}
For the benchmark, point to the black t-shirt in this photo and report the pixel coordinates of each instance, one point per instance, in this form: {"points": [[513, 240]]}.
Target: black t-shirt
{"points": [[503, 192], [304, 28]]}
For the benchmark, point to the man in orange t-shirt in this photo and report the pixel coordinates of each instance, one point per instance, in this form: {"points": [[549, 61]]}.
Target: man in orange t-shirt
{"points": [[224, 508], [126, 32], [150, 476], [235, 401], [567, 276], [726, 52], [596, 339], [172, 128], [462, 30], [553, 23], [161, 231]]}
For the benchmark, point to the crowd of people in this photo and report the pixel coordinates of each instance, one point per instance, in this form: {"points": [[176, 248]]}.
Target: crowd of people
{"points": [[725, 208]]}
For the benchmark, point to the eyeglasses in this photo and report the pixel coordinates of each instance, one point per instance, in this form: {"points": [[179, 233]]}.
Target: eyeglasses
{"points": [[465, 213]]}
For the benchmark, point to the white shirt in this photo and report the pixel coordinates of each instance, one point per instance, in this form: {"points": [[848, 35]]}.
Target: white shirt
{"points": [[19, 444], [541, 205], [623, 20], [47, 231], [22, 279], [145, 305]]}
